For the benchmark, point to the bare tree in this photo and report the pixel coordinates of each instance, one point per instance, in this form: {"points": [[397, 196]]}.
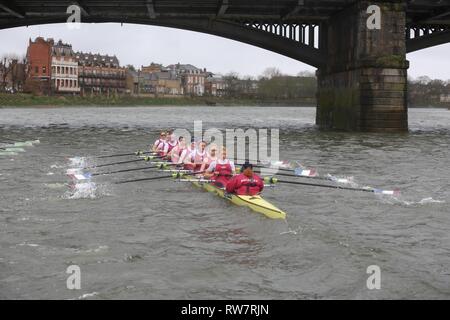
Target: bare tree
{"points": [[8, 70], [271, 72]]}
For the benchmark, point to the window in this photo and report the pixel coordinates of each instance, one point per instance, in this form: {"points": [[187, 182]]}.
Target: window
{"points": [[36, 69]]}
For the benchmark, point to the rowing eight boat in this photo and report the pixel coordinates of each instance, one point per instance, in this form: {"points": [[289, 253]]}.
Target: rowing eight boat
{"points": [[255, 203]]}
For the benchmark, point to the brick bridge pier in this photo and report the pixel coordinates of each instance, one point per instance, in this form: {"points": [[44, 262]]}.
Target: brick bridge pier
{"points": [[363, 86]]}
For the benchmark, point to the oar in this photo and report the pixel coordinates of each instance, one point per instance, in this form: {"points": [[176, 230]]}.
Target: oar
{"points": [[262, 165], [116, 163], [87, 176], [9, 141], [306, 173], [125, 170], [175, 175], [156, 166], [144, 179], [299, 176], [372, 190], [136, 153]]}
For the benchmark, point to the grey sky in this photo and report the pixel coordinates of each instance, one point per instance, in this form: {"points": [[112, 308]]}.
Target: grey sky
{"points": [[140, 45]]}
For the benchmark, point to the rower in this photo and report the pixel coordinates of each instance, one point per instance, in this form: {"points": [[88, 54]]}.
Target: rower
{"points": [[191, 147], [210, 157], [163, 146], [195, 159], [200, 155], [221, 170], [247, 183], [162, 138], [171, 143], [179, 152], [189, 159]]}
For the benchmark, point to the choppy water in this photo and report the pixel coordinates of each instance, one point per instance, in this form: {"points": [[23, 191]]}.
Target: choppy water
{"points": [[169, 240]]}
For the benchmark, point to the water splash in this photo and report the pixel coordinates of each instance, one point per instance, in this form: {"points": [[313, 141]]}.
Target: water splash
{"points": [[422, 202], [88, 295], [79, 162], [343, 180], [84, 190]]}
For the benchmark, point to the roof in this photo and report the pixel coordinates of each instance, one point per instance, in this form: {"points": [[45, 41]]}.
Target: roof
{"points": [[62, 49], [155, 76], [90, 59]]}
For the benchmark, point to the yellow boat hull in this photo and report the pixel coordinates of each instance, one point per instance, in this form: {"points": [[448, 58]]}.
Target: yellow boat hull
{"points": [[255, 203]]}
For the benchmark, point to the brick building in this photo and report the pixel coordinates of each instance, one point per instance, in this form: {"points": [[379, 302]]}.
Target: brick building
{"points": [[132, 82], [153, 67], [215, 86], [160, 83], [100, 74], [192, 78], [39, 61]]}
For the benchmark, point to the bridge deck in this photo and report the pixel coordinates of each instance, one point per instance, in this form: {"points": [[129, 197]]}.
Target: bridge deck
{"points": [[14, 13]]}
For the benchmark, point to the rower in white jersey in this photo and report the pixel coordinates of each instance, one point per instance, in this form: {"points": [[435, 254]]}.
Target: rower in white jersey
{"points": [[162, 138], [171, 144], [163, 146], [221, 170], [199, 155], [195, 159], [180, 152], [191, 148], [210, 157]]}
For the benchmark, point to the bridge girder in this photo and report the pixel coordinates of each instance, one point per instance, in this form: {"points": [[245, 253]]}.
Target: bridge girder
{"points": [[419, 38], [262, 23]]}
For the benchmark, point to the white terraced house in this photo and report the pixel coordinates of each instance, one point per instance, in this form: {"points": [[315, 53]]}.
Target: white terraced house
{"points": [[64, 69]]}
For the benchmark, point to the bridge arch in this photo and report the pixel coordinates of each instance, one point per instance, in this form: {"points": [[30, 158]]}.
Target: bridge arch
{"points": [[289, 47]]}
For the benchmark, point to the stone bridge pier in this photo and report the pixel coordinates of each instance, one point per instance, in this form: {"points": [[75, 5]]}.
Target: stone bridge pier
{"points": [[363, 86]]}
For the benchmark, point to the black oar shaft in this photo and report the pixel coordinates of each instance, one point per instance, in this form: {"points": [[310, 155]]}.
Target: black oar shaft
{"points": [[115, 163], [298, 176], [119, 171], [324, 186], [144, 179], [123, 154]]}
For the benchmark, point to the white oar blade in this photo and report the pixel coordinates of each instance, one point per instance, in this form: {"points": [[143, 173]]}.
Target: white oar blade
{"points": [[76, 174], [305, 172]]}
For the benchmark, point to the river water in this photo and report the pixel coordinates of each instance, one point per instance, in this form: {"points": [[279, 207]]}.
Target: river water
{"points": [[168, 240]]}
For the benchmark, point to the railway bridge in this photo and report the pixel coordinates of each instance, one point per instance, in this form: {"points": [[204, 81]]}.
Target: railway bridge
{"points": [[359, 47]]}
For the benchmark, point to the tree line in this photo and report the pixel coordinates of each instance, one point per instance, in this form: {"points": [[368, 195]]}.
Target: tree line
{"points": [[426, 92], [272, 85]]}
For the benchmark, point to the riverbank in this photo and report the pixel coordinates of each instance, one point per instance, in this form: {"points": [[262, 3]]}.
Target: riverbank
{"points": [[28, 100]]}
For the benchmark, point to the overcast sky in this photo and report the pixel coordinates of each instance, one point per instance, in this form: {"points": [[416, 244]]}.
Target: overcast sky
{"points": [[140, 45]]}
